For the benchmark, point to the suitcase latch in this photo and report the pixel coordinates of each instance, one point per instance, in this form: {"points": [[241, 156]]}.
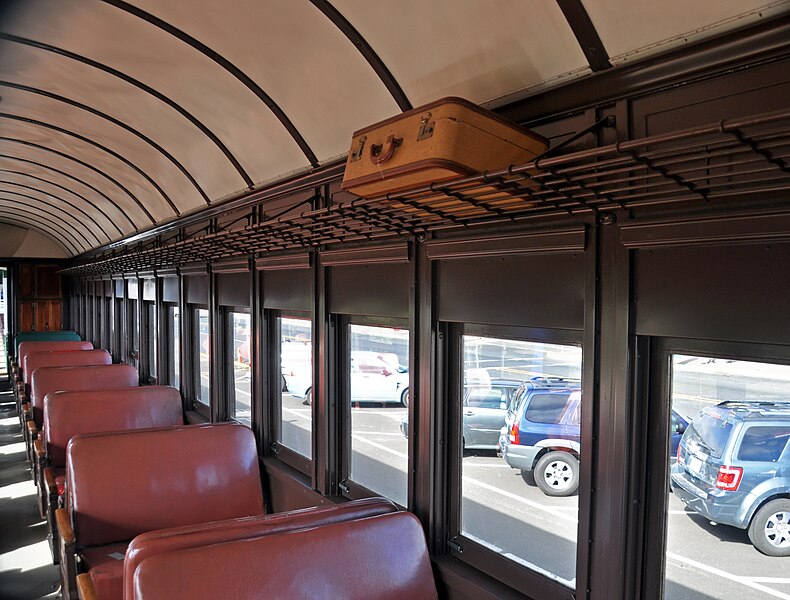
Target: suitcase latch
{"points": [[357, 154], [426, 127]]}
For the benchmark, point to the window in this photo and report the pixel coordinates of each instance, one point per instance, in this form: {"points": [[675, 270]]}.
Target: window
{"points": [[726, 451], [151, 341], [520, 399], [117, 345], [173, 346], [237, 348], [106, 324], [295, 418], [378, 383], [201, 350], [133, 332]]}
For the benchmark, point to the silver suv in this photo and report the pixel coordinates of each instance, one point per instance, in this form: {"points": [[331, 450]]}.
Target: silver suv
{"points": [[733, 467]]}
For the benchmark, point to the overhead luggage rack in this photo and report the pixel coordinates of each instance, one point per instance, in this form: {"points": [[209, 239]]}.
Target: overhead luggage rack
{"points": [[728, 159]]}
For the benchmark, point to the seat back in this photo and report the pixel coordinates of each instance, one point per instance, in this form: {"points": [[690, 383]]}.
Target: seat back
{"points": [[122, 484], [43, 336], [66, 358], [26, 348], [383, 557], [179, 538], [53, 379], [67, 414]]}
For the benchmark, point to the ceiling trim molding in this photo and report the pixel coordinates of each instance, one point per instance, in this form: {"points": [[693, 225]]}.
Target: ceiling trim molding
{"points": [[586, 34], [118, 122], [64, 201], [366, 50], [78, 180], [142, 86], [80, 162], [70, 191], [228, 66], [109, 151]]}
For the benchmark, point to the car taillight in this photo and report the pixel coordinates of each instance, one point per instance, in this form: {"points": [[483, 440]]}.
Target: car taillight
{"points": [[514, 433], [678, 453], [729, 478]]}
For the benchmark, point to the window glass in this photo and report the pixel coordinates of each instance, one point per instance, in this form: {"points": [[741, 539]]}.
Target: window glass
{"points": [[152, 342], [118, 330], [174, 345], [133, 332], [728, 510], [379, 384], [201, 350], [520, 437], [296, 369], [238, 367], [764, 443], [106, 329]]}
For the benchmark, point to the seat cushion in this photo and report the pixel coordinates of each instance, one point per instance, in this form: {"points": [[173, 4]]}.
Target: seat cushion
{"points": [[104, 564]]}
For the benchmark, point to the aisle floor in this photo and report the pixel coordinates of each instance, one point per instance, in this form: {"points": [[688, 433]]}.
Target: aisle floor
{"points": [[26, 569]]}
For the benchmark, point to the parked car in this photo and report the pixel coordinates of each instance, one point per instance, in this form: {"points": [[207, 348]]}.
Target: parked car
{"points": [[542, 437], [374, 377], [733, 468], [486, 404]]}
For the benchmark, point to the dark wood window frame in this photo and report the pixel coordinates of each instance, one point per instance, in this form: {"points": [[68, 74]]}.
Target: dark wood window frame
{"points": [[655, 373], [347, 486], [476, 555]]}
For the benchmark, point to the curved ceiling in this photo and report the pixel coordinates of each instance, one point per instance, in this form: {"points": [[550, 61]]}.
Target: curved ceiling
{"points": [[116, 116]]}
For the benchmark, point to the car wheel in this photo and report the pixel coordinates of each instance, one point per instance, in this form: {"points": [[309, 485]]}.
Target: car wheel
{"points": [[404, 397], [284, 387], [308, 397], [769, 530], [557, 474]]}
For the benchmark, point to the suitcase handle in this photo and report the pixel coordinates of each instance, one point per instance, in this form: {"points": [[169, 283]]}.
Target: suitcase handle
{"points": [[377, 156]]}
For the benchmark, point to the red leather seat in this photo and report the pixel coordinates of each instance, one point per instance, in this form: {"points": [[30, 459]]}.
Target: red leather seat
{"points": [[179, 538], [67, 414], [53, 379], [383, 557], [122, 484], [26, 348], [63, 358]]}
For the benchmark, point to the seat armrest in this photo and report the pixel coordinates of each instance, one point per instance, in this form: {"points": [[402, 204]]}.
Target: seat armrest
{"points": [[32, 429], [85, 589], [68, 558], [49, 481], [41, 453], [27, 411]]}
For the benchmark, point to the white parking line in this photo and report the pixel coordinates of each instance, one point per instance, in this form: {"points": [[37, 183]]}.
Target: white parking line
{"points": [[747, 581], [522, 500], [358, 437]]}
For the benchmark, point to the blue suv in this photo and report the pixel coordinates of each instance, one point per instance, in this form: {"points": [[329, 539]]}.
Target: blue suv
{"points": [[542, 437], [733, 468]]}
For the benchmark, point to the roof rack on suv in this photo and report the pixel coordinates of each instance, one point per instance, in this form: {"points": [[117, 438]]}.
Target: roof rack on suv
{"points": [[553, 381], [767, 407]]}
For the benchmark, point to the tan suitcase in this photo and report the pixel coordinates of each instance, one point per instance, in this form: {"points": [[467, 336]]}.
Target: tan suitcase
{"points": [[442, 140]]}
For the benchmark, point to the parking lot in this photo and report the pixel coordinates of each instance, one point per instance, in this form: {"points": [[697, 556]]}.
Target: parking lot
{"points": [[500, 509]]}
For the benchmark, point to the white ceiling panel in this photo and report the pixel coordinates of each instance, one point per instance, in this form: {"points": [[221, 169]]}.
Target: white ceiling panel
{"points": [[477, 50], [159, 60], [173, 182], [296, 55], [633, 29], [156, 120]]}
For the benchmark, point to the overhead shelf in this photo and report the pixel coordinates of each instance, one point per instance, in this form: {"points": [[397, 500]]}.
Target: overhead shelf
{"points": [[728, 159]]}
